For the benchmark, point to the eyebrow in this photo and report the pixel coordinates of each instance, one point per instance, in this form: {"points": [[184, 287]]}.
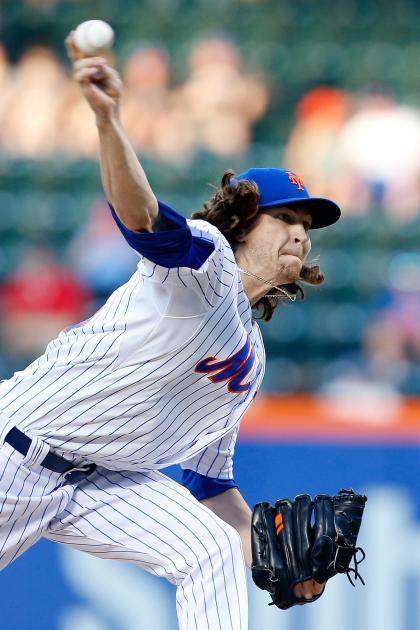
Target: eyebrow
{"points": [[306, 217]]}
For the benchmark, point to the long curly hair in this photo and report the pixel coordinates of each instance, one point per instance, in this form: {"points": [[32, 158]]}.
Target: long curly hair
{"points": [[234, 209]]}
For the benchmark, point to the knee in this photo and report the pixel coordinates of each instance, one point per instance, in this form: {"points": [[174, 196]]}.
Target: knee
{"points": [[233, 543], [224, 546]]}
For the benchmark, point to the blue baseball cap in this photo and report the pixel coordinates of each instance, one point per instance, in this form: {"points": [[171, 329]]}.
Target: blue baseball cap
{"points": [[278, 187]]}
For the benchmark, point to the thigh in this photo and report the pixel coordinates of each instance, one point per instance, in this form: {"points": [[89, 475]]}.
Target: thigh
{"points": [[144, 518], [30, 496], [153, 522]]}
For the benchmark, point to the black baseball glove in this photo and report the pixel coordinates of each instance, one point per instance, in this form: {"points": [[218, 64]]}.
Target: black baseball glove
{"points": [[301, 540]]}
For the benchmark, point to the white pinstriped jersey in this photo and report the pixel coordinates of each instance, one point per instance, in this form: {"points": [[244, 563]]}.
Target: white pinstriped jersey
{"points": [[161, 374]]}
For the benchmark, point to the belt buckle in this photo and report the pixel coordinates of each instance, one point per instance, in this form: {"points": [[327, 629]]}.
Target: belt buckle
{"points": [[67, 476], [76, 468]]}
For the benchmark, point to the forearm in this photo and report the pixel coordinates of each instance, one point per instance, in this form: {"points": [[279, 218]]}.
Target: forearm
{"points": [[232, 508], [124, 181]]}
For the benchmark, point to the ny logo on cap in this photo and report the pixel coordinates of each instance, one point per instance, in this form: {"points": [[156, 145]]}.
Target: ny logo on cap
{"points": [[296, 180]]}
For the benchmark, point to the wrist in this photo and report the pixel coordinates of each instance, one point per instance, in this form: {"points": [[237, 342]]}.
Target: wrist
{"points": [[107, 121]]}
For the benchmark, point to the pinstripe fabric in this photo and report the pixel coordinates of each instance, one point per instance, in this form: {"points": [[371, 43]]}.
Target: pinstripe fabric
{"points": [[155, 523], [161, 374], [216, 459], [143, 518], [121, 389], [29, 499]]}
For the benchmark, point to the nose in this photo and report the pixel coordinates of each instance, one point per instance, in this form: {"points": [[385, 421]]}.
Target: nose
{"points": [[299, 234]]}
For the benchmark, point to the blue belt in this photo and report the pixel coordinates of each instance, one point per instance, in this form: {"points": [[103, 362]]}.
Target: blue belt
{"points": [[51, 461]]}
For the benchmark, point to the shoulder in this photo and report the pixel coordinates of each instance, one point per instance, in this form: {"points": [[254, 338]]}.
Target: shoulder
{"points": [[206, 230]]}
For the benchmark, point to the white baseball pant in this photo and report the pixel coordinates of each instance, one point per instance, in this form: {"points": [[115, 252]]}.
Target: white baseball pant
{"points": [[143, 518]]}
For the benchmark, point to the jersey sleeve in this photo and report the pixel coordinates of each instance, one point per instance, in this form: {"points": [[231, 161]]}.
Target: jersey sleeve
{"points": [[202, 487], [190, 259], [172, 244]]}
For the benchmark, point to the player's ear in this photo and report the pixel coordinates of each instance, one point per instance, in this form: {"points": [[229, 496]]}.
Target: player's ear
{"points": [[241, 237]]}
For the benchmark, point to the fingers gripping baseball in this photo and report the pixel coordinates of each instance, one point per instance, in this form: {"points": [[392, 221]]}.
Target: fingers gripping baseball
{"points": [[100, 84]]}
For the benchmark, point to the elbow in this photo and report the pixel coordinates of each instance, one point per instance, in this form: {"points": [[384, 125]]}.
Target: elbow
{"points": [[138, 217], [150, 212], [153, 209]]}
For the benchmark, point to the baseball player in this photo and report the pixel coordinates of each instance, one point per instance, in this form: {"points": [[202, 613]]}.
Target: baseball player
{"points": [[160, 375]]}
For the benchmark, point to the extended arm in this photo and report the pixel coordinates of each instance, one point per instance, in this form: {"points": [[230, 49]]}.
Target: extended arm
{"points": [[124, 181]]}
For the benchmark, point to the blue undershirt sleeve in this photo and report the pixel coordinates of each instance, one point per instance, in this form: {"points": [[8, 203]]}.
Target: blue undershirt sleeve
{"points": [[174, 246], [202, 487]]}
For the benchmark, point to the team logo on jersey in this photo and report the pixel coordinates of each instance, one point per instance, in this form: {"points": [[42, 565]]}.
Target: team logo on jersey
{"points": [[296, 180], [235, 369]]}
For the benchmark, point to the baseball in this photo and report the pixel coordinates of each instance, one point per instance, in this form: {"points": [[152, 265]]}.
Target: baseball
{"points": [[93, 36]]}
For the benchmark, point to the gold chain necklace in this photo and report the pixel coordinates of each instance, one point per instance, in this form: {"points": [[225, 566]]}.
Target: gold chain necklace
{"points": [[285, 293]]}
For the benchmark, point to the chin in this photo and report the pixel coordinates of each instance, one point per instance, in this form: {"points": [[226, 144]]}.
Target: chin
{"points": [[291, 271]]}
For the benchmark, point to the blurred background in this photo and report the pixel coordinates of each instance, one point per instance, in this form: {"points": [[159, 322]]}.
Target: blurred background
{"points": [[330, 90]]}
